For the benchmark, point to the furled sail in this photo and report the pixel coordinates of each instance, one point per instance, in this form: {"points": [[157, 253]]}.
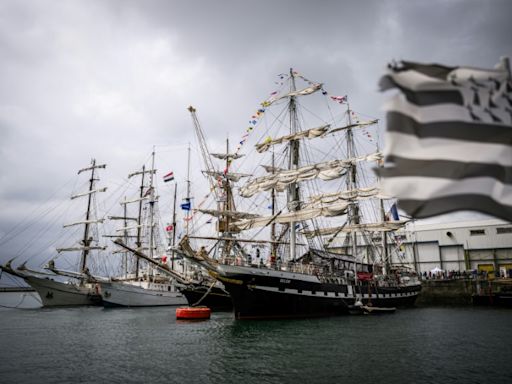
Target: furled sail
{"points": [[386, 226], [232, 214], [152, 171], [272, 169], [354, 125], [89, 192], [224, 156], [301, 92], [309, 134], [137, 199], [304, 214], [304, 91], [231, 176], [329, 170], [71, 249], [353, 194], [83, 222]]}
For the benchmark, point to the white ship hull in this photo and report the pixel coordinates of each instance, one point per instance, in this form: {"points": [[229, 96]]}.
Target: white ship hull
{"points": [[140, 294], [59, 294]]}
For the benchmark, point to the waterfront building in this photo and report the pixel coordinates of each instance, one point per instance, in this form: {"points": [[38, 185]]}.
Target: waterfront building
{"points": [[483, 245]]}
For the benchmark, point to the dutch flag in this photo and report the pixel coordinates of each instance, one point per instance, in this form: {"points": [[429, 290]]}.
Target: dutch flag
{"points": [[169, 177]]}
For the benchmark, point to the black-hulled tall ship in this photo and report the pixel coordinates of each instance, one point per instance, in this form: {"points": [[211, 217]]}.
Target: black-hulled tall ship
{"points": [[326, 245]]}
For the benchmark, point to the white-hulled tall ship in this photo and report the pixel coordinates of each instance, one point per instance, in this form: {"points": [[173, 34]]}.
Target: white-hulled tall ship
{"points": [[151, 282], [79, 287], [328, 238]]}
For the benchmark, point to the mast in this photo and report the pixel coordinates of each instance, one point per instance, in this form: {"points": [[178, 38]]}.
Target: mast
{"points": [[273, 225], [293, 189], [151, 210], [353, 211], [125, 235], [227, 188], [86, 241], [187, 199], [138, 240], [174, 225], [385, 261]]}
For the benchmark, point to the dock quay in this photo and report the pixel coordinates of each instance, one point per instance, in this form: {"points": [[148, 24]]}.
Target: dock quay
{"points": [[466, 291]]}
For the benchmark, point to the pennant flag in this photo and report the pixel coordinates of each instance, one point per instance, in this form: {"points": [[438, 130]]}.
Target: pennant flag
{"points": [[169, 228], [394, 212], [340, 99], [186, 206], [447, 150], [148, 192], [169, 177]]}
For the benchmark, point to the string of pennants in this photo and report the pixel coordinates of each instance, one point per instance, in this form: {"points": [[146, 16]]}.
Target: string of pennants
{"points": [[259, 113]]}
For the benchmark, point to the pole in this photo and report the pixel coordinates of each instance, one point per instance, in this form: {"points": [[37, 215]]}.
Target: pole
{"points": [[188, 191], [174, 225], [86, 241], [293, 191]]}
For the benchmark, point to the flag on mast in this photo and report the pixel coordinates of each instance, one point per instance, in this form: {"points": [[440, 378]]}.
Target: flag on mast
{"points": [[169, 177], [449, 139]]}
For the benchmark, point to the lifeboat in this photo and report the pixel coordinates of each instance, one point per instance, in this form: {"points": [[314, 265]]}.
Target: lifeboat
{"points": [[193, 313]]}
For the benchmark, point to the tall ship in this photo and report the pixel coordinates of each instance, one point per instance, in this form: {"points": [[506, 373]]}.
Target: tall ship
{"points": [[148, 280], [309, 233], [58, 287]]}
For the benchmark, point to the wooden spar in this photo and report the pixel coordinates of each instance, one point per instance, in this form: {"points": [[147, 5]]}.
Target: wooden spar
{"points": [[174, 224], [141, 255], [240, 240]]}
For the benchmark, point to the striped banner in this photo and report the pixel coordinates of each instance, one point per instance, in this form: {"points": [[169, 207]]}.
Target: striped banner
{"points": [[449, 139]]}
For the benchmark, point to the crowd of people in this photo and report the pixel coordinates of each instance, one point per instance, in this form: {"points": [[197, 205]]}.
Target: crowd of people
{"points": [[472, 274]]}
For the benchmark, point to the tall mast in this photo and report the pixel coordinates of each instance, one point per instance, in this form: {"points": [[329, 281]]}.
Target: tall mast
{"points": [[273, 225], [138, 241], [174, 225], [151, 206], [385, 261], [86, 240], [227, 203], [187, 199], [353, 211], [293, 190], [125, 234]]}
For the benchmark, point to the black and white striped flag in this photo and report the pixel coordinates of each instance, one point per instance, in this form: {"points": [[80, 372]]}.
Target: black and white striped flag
{"points": [[449, 139]]}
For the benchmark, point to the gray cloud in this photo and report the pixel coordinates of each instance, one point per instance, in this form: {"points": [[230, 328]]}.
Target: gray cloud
{"points": [[110, 79]]}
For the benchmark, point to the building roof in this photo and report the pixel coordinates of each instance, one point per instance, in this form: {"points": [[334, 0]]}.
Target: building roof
{"points": [[458, 224]]}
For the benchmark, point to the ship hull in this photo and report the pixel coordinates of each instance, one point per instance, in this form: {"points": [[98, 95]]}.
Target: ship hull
{"points": [[216, 299], [58, 294], [263, 293], [128, 294]]}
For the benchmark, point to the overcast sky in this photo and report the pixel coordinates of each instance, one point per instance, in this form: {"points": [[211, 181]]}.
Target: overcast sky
{"points": [[110, 79]]}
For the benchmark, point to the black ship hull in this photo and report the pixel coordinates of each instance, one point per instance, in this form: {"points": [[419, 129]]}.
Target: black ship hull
{"points": [[264, 293], [215, 298]]}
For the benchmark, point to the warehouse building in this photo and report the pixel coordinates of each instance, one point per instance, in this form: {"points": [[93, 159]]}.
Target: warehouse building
{"points": [[459, 246]]}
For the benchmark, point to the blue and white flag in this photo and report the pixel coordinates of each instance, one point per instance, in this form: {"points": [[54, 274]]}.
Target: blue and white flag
{"points": [[449, 139], [186, 206]]}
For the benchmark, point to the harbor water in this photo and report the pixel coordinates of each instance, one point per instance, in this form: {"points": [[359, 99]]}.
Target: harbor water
{"points": [[148, 345]]}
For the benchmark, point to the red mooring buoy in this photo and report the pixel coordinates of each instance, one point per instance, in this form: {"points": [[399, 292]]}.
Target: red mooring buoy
{"points": [[193, 313]]}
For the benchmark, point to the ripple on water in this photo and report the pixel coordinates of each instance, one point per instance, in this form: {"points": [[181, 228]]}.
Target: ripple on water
{"points": [[91, 345]]}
